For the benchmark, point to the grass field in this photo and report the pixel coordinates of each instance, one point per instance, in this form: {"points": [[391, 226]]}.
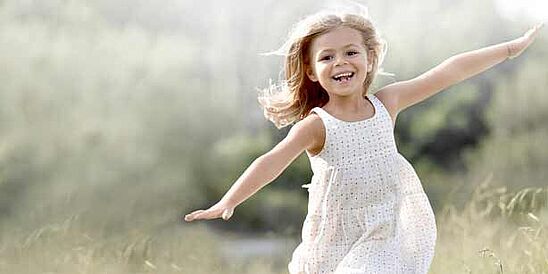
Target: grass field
{"points": [[495, 232]]}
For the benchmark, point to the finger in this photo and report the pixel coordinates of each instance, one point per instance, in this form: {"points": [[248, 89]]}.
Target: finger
{"points": [[189, 218], [227, 213], [537, 27], [206, 215], [192, 216], [532, 33]]}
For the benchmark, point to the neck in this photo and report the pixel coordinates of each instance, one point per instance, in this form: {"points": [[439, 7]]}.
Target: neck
{"points": [[350, 104]]}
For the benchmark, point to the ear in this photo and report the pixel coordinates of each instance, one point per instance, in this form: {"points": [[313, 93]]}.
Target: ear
{"points": [[369, 60], [310, 73]]}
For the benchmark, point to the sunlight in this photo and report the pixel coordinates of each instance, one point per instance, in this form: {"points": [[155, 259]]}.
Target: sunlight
{"points": [[536, 10]]}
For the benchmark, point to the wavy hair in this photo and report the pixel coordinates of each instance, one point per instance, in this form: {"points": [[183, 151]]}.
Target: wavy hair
{"points": [[292, 99]]}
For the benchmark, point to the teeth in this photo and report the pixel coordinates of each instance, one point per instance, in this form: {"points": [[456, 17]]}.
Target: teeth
{"points": [[339, 77], [343, 74]]}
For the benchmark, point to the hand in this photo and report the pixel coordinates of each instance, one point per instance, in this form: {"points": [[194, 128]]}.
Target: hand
{"points": [[218, 210], [517, 46]]}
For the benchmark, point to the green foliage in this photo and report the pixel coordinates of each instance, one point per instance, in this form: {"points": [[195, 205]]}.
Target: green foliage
{"points": [[446, 112], [101, 120], [277, 206], [516, 150]]}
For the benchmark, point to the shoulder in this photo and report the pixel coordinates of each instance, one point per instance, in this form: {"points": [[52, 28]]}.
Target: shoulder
{"points": [[312, 124], [310, 128], [303, 135]]}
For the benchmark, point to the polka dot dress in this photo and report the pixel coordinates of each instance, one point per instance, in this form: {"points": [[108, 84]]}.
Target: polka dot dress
{"points": [[367, 210]]}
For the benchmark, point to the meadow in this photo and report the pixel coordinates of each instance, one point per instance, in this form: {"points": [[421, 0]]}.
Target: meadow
{"points": [[495, 232], [119, 117]]}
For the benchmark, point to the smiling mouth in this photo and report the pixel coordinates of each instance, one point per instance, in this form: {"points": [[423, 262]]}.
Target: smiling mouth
{"points": [[343, 77]]}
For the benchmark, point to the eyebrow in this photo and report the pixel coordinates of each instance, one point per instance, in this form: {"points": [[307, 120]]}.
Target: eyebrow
{"points": [[330, 49]]}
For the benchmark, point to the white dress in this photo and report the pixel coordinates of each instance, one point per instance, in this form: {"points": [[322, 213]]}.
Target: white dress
{"points": [[367, 210]]}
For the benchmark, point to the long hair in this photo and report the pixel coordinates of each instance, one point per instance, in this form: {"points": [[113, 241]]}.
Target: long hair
{"points": [[292, 99]]}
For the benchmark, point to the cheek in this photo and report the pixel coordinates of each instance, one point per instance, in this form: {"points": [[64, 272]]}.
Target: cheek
{"points": [[320, 69]]}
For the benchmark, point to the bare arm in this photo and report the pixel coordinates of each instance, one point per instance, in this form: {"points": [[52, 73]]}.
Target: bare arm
{"points": [[453, 70], [263, 170]]}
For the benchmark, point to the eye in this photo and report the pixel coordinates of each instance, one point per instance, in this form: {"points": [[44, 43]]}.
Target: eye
{"points": [[326, 58], [352, 52]]}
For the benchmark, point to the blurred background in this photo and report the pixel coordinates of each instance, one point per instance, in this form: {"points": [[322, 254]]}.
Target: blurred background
{"points": [[119, 117]]}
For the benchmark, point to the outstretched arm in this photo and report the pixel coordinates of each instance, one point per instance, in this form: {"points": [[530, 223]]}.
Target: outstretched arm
{"points": [[453, 70], [263, 170]]}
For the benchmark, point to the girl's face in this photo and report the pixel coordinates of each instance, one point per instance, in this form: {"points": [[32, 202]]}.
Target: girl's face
{"points": [[339, 61]]}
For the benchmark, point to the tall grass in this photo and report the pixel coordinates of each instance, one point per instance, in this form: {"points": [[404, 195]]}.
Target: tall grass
{"points": [[495, 232]]}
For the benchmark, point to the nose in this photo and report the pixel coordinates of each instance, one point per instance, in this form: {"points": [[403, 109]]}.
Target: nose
{"points": [[340, 60]]}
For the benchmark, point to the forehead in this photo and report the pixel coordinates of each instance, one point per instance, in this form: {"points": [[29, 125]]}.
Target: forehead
{"points": [[337, 38]]}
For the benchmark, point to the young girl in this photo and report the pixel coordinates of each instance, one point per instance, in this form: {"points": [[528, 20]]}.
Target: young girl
{"points": [[367, 210]]}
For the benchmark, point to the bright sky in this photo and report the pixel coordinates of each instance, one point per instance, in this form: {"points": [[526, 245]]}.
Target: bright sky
{"points": [[536, 10]]}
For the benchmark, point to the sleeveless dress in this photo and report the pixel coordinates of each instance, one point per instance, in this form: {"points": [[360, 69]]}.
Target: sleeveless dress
{"points": [[367, 209]]}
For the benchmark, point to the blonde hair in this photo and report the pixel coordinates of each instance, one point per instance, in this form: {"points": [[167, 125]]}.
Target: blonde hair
{"points": [[293, 98]]}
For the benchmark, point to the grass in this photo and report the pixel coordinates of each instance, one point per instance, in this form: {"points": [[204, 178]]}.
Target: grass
{"points": [[495, 232]]}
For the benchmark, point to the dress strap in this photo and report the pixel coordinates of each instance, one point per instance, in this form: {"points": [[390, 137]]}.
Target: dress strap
{"points": [[322, 113], [374, 100], [326, 117], [379, 106]]}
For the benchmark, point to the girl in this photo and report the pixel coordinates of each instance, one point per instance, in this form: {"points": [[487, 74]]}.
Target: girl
{"points": [[367, 210]]}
